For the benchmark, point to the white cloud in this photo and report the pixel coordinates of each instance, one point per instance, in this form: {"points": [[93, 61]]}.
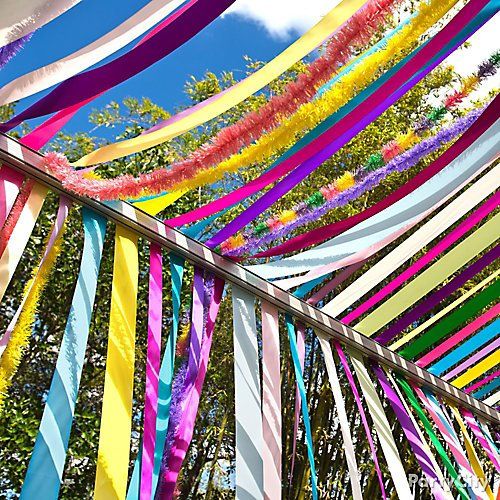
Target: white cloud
{"points": [[282, 18]]}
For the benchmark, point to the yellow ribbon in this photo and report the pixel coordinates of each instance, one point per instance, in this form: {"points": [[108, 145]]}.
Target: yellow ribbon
{"points": [[477, 370], [431, 277], [116, 421]]}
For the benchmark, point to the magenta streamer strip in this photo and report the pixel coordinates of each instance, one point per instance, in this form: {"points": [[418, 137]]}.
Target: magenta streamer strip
{"points": [[152, 369], [455, 339], [484, 381], [473, 219], [474, 427], [411, 433], [400, 163], [186, 22], [414, 70]]}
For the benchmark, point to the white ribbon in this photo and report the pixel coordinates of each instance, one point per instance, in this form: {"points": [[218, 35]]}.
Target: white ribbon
{"points": [[58, 71], [249, 440], [344, 423]]}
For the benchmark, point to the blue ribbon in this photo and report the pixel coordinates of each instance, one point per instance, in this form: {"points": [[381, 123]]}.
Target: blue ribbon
{"points": [[487, 389], [45, 470]]}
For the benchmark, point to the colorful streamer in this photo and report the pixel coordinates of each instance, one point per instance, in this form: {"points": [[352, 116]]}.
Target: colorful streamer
{"points": [[45, 469], [7, 52], [116, 420]]}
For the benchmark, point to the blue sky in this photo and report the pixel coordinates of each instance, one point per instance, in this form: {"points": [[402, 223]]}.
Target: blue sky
{"points": [[220, 46], [258, 28]]}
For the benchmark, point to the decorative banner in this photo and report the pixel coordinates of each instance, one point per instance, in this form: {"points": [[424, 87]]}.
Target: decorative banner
{"points": [[58, 71], [45, 469], [249, 437], [20, 235], [382, 428], [271, 402], [303, 395], [451, 342], [116, 419], [344, 422], [235, 94], [18, 18]]}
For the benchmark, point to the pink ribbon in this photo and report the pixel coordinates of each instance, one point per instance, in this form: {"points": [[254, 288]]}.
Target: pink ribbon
{"points": [[483, 381]]}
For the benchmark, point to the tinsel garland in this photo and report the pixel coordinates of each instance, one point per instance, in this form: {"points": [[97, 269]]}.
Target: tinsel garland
{"points": [[400, 163], [185, 175], [22, 331], [7, 52], [388, 152]]}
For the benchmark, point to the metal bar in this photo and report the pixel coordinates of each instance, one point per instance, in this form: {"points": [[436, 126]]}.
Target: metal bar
{"points": [[29, 162]]}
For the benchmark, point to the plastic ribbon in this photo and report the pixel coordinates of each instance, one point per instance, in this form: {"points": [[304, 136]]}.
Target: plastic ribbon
{"points": [[236, 94], [152, 368], [10, 183], [58, 71], [420, 448], [492, 400], [479, 369], [476, 430], [271, 402], [364, 239], [249, 437], [20, 236], [450, 436], [420, 238], [480, 383], [494, 384], [45, 470], [116, 420], [471, 452], [305, 412], [451, 342], [486, 335], [186, 427], [382, 428], [437, 296], [341, 412], [189, 20], [62, 213], [432, 435], [21, 17]]}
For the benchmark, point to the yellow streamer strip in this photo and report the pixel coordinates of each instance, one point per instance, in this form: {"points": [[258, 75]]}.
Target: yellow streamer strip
{"points": [[116, 421], [238, 93], [471, 453], [443, 312], [477, 370], [307, 117], [156, 205], [431, 277], [21, 334]]}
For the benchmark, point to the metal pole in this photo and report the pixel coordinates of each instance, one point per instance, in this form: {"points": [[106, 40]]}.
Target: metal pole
{"points": [[29, 162]]}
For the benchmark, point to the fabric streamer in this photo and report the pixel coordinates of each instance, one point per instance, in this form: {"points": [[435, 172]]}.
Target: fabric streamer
{"points": [[44, 475], [10, 183], [432, 435], [152, 368], [116, 419], [271, 403], [494, 384], [450, 436], [58, 71], [419, 239], [486, 335], [185, 432], [344, 422], [479, 369], [355, 121], [476, 430], [412, 434], [482, 382], [249, 437], [236, 94], [492, 400], [382, 427], [462, 334], [20, 236], [437, 296], [55, 234], [18, 18], [305, 412], [366, 238]]}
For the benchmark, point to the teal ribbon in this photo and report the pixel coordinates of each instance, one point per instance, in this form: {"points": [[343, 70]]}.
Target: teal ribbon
{"points": [[45, 470], [305, 412], [165, 383]]}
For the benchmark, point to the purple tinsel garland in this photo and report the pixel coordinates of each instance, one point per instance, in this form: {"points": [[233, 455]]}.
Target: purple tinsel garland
{"points": [[400, 163], [7, 52]]}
